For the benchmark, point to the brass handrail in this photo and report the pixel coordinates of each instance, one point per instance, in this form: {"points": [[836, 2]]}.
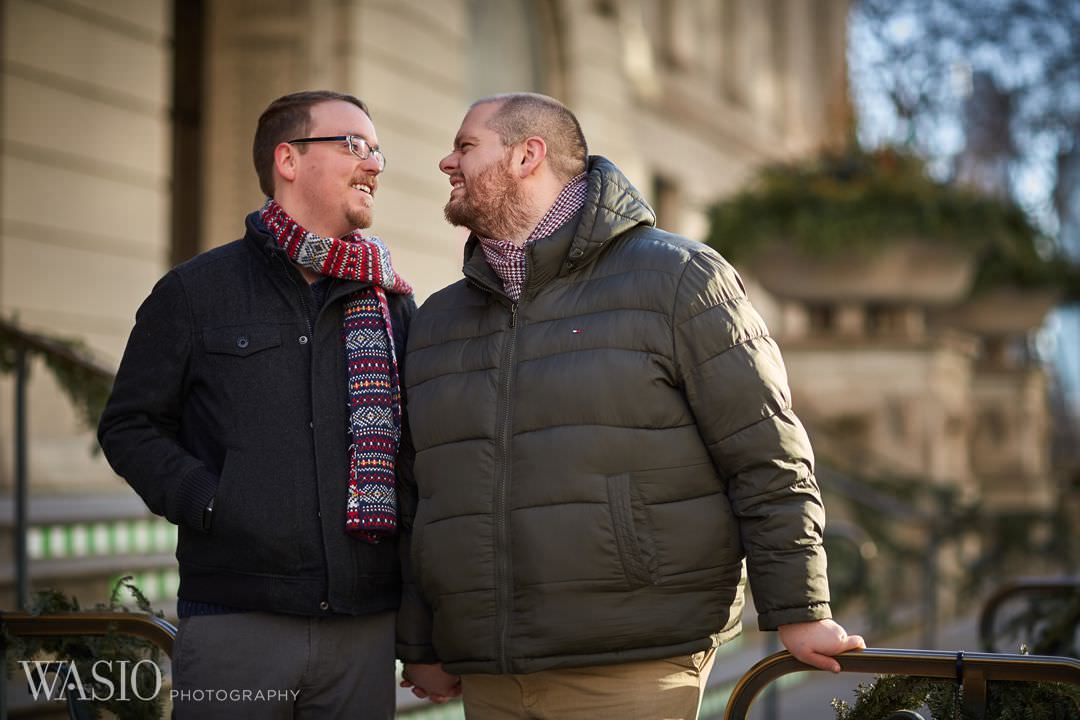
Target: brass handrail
{"points": [[971, 670], [75, 624], [148, 627], [1021, 586]]}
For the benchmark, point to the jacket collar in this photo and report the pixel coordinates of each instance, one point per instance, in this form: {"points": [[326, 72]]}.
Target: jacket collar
{"points": [[612, 206], [260, 241], [258, 237]]}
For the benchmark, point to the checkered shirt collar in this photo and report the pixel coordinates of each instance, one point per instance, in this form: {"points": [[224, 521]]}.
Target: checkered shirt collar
{"points": [[509, 261], [570, 199]]}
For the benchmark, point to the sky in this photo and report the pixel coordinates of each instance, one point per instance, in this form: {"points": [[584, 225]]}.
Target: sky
{"points": [[1019, 59]]}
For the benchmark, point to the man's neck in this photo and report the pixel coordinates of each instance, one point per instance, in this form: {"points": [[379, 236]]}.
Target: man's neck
{"points": [[542, 202], [304, 219], [519, 238]]}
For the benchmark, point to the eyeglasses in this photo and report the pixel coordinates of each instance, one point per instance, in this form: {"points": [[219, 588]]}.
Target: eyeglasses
{"points": [[358, 146]]}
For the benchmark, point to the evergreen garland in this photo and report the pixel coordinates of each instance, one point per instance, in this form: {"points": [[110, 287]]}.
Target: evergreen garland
{"points": [[84, 651], [889, 693], [80, 378], [1005, 700]]}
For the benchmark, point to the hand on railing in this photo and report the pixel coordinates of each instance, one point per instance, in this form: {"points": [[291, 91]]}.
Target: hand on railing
{"points": [[815, 643]]}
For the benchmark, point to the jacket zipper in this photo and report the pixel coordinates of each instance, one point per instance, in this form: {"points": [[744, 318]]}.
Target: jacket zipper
{"points": [[303, 302], [502, 540], [503, 561]]}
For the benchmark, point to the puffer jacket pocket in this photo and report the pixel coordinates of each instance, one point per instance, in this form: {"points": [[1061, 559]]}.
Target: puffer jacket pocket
{"points": [[635, 558]]}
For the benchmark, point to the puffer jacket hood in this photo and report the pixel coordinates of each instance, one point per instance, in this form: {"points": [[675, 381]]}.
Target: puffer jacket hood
{"points": [[596, 460], [612, 206]]}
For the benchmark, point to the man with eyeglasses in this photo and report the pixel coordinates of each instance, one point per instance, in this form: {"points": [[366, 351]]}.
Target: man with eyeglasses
{"points": [[258, 406], [605, 445]]}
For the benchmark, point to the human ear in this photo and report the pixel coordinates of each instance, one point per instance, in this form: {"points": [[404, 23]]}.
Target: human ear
{"points": [[533, 152], [285, 161]]}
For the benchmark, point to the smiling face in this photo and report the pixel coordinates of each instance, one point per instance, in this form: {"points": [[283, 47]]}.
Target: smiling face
{"points": [[333, 191], [485, 196]]}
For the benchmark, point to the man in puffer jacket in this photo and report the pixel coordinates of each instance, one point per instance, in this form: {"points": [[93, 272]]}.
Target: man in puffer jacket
{"points": [[603, 435]]}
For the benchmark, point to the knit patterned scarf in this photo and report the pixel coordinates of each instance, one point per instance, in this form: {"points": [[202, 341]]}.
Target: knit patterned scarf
{"points": [[374, 388]]}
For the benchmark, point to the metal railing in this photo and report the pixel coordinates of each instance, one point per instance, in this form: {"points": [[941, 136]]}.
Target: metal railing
{"points": [[971, 671], [93, 624], [1062, 587], [82, 624], [22, 344]]}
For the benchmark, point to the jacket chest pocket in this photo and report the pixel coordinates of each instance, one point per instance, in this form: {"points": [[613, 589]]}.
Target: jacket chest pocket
{"points": [[247, 376], [241, 340]]}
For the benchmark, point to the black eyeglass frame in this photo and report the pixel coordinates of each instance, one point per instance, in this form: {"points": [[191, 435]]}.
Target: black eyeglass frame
{"points": [[358, 146]]}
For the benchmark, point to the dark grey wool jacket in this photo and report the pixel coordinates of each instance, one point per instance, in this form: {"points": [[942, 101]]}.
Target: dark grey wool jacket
{"points": [[595, 461], [230, 389]]}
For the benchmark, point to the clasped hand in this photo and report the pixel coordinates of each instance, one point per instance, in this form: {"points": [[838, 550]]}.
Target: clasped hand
{"points": [[431, 682]]}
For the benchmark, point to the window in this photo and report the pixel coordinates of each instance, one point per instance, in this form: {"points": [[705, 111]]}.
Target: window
{"points": [[666, 202], [822, 318]]}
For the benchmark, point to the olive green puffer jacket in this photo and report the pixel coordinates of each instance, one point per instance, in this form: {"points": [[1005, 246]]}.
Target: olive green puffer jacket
{"points": [[595, 460]]}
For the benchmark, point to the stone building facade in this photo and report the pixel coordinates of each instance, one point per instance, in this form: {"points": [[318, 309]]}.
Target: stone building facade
{"points": [[126, 125]]}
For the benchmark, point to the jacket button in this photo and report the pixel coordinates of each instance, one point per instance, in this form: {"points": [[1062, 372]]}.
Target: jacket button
{"points": [[576, 253], [324, 605], [311, 424], [303, 339], [242, 342]]}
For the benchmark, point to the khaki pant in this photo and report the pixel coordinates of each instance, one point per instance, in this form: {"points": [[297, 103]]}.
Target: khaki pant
{"points": [[649, 690]]}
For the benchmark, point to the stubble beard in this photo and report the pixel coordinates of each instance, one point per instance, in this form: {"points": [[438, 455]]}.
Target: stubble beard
{"points": [[358, 219], [492, 206]]}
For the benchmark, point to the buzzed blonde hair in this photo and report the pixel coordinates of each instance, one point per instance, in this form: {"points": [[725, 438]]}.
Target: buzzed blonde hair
{"points": [[522, 115]]}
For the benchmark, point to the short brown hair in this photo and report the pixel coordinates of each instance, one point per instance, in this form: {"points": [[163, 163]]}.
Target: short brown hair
{"points": [[522, 115], [288, 118]]}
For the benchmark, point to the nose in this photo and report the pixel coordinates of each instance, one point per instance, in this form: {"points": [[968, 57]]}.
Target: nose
{"points": [[371, 165], [449, 163]]}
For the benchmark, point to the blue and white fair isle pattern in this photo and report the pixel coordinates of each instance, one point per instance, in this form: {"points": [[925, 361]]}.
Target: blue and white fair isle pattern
{"points": [[374, 417]]}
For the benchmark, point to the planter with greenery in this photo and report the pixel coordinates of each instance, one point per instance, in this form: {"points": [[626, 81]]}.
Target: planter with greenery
{"points": [[840, 207]]}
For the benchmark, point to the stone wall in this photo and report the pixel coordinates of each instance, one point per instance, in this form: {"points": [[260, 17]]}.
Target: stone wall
{"points": [[84, 196]]}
